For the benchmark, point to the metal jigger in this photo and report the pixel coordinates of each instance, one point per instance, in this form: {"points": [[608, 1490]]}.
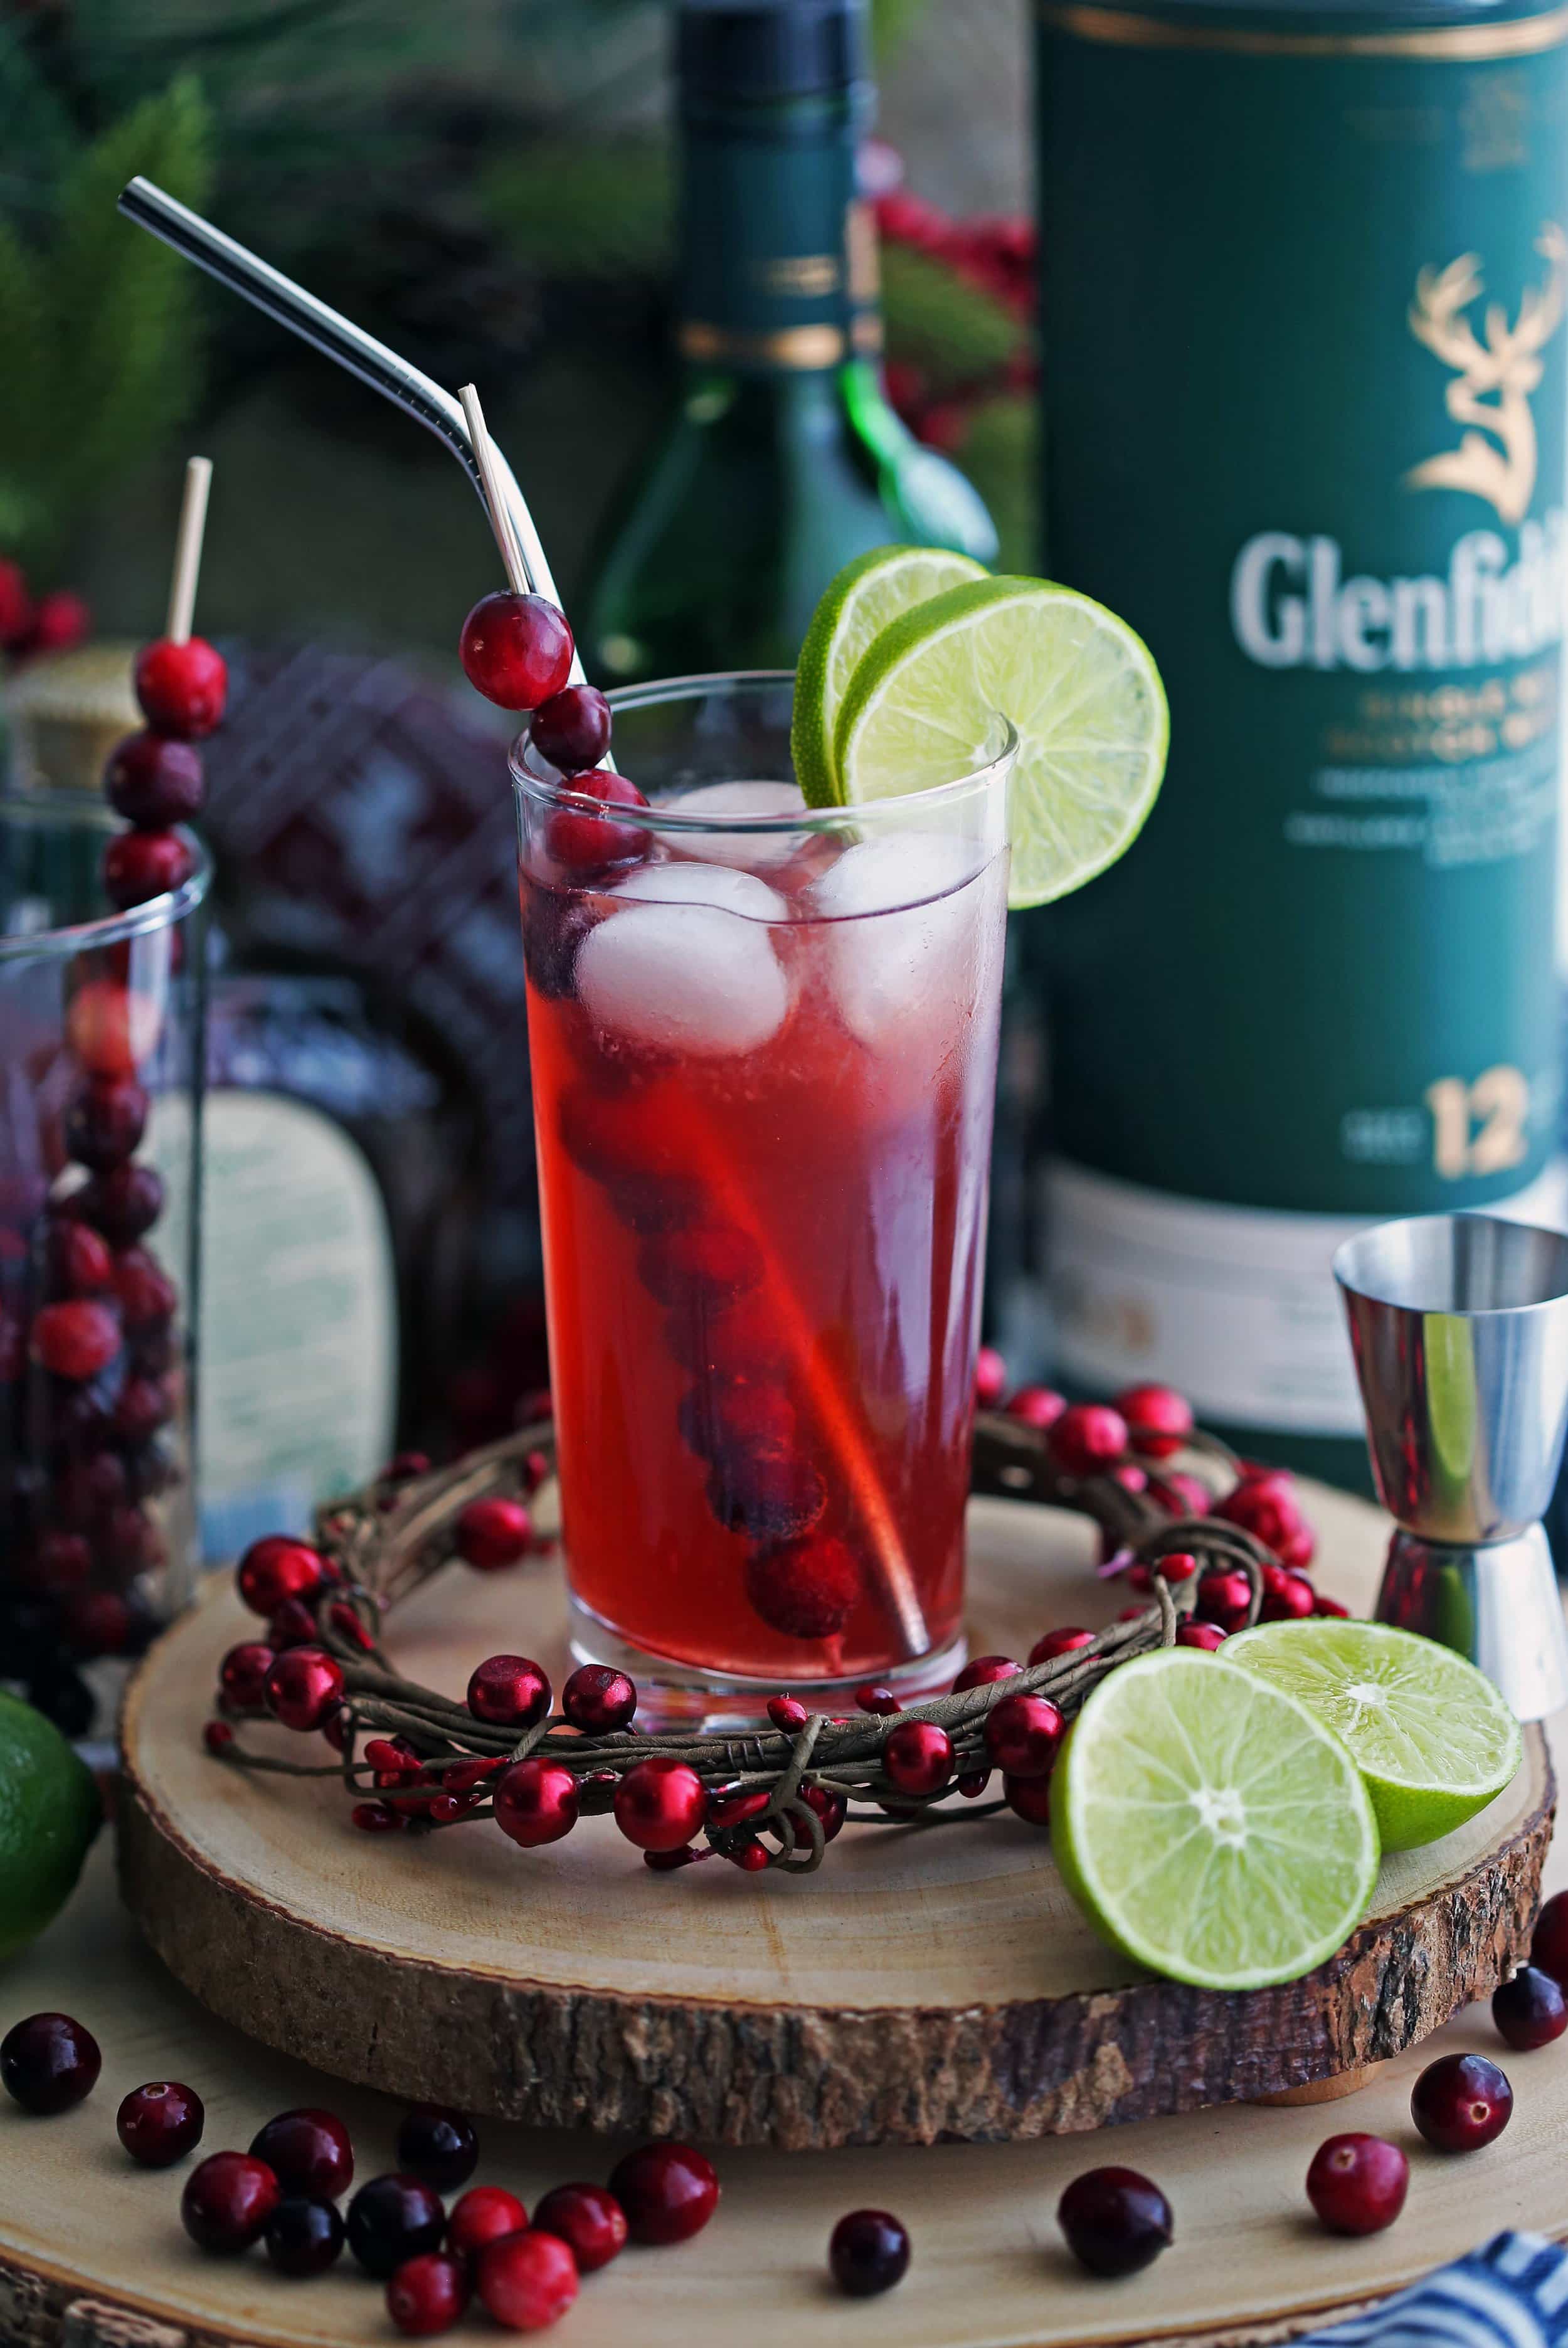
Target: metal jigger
{"points": [[1459, 1324]]}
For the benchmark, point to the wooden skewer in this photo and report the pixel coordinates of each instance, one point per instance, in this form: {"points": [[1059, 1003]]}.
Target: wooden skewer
{"points": [[187, 549], [495, 504]]}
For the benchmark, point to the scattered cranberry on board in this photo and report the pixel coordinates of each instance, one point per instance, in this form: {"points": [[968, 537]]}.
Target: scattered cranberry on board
{"points": [[527, 2282], [308, 2151], [1529, 2010], [427, 2294], [227, 2202], [868, 2253], [1461, 2102], [588, 2218], [1115, 2220], [669, 2191], [304, 2237], [48, 2062], [159, 2122], [394, 2219], [1356, 2183]]}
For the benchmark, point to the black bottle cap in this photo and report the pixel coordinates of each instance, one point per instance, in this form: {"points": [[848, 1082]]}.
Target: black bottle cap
{"points": [[771, 48]]}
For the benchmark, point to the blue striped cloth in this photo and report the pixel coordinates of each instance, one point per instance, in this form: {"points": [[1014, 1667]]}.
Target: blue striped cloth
{"points": [[1511, 2293]]}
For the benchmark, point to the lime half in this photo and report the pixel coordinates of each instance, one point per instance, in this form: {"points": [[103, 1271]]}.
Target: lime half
{"points": [[1431, 1733], [855, 606], [1080, 689], [1209, 1824], [49, 1813]]}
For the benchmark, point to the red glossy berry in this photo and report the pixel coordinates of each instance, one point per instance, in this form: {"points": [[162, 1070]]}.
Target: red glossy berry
{"points": [[48, 2062], [217, 1735], [1330, 1608], [1028, 1798], [787, 1714], [1158, 1419], [75, 1340], [1356, 2183], [484, 2215], [669, 2192], [1036, 1407], [140, 865], [873, 1697], [1087, 1439], [917, 1758], [831, 1808], [1065, 1642], [123, 1203], [983, 1671], [309, 2152], [143, 1290], [227, 2202], [58, 1562], [597, 1700], [990, 1378], [1530, 2011], [278, 1567], [1224, 1598], [527, 2282], [243, 1674], [1287, 1597], [493, 1533], [571, 730], [1461, 2102], [1207, 1636], [97, 1622], [1265, 1504], [582, 840], [153, 781], [427, 2294], [509, 1692], [104, 1122], [110, 1030], [293, 1625], [160, 2123], [515, 650], [304, 1686], [1549, 1943], [376, 1817], [589, 2220], [182, 688], [1023, 1734], [60, 620], [660, 1804], [1115, 2220], [394, 2219], [79, 1261], [141, 1408], [1131, 1476], [805, 1589], [304, 2237], [1176, 1566], [439, 2145], [536, 1802], [868, 2252], [1182, 1495]]}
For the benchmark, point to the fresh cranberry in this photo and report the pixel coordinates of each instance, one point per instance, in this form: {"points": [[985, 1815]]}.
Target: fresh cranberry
{"points": [[484, 2215], [536, 1802], [1530, 2011], [1461, 2102], [805, 1589], [308, 2151], [1205, 1636], [774, 1495], [57, 1562], [123, 1203], [509, 1692], [984, 1671], [1086, 1439], [75, 1340], [787, 1714], [1287, 1597], [394, 2219], [144, 1291], [869, 2252], [95, 1622], [1265, 1504], [917, 1758], [527, 2282], [48, 2062], [581, 840], [1356, 2183], [427, 2294], [293, 1625], [1065, 1642], [79, 1260], [493, 1533], [1036, 1407], [153, 781], [1028, 1798], [1549, 1943], [669, 2192], [990, 1378], [1022, 1733], [660, 1804], [1159, 1420], [141, 1408], [515, 650], [140, 865], [60, 620], [110, 1030], [304, 2237], [304, 1686], [160, 2123], [227, 2201], [1115, 2222], [873, 1697], [182, 688], [589, 2220], [572, 730], [217, 1735], [597, 1700], [276, 1568], [439, 2145], [1224, 1598]]}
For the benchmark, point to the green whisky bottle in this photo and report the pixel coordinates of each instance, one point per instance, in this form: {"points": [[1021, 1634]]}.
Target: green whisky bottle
{"points": [[783, 458], [1305, 269]]}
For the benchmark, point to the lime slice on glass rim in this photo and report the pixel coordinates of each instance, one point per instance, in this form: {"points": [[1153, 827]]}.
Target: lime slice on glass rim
{"points": [[855, 606], [1210, 1826], [1083, 696], [1429, 1733]]}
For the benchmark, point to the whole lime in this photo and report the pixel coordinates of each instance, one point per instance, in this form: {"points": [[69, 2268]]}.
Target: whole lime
{"points": [[49, 1813]]}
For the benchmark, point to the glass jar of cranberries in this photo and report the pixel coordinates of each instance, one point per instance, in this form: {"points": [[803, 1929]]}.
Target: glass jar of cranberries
{"points": [[101, 1053]]}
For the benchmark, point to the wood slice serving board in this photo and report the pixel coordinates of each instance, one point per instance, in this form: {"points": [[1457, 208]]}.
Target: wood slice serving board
{"points": [[924, 1985]]}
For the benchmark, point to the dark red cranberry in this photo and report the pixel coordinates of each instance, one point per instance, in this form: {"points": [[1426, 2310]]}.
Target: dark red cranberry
{"points": [[60, 620], [483, 2215], [1549, 1943], [78, 1263], [581, 839], [984, 1671], [309, 2152], [1461, 2102], [831, 1808], [572, 730], [427, 2294], [1036, 1407], [525, 2281], [869, 2252], [1224, 1598], [160, 2123], [729, 1414], [153, 780], [58, 1562], [75, 1340], [660, 1804], [1530, 2011], [669, 2192], [917, 1758], [536, 1802], [1028, 1798], [182, 688], [805, 1589], [515, 650], [86, 1489], [141, 1408], [1158, 1419], [48, 2062], [873, 1697], [1086, 1439], [217, 1735], [123, 1203], [1022, 1736], [990, 1378], [597, 1700], [95, 1623], [304, 2237], [1115, 2222], [278, 1567], [493, 1533], [1287, 1597], [140, 865], [376, 1817], [1265, 1504], [438, 2145], [1205, 1636], [788, 1713], [589, 2220], [774, 1495], [227, 2202], [509, 1692], [304, 1686], [1356, 2183], [293, 1625], [144, 1291], [1065, 1642], [394, 2219]]}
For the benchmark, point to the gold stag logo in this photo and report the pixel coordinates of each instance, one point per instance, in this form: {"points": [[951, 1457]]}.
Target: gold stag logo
{"points": [[1493, 379]]}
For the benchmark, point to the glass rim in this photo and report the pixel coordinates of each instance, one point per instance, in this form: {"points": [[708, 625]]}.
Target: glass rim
{"points": [[65, 810], [662, 691]]}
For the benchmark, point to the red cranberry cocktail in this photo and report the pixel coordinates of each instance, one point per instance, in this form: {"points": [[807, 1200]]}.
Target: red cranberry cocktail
{"points": [[763, 1048]]}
